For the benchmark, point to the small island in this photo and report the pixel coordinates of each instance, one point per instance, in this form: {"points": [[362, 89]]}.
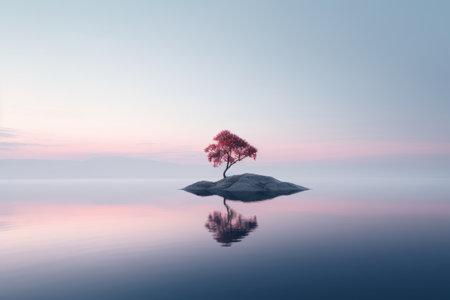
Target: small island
{"points": [[245, 187]]}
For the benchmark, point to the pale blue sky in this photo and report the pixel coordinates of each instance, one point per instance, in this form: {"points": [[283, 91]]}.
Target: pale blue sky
{"points": [[99, 76]]}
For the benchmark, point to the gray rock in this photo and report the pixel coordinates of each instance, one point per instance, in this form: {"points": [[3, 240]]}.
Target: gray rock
{"points": [[245, 187]]}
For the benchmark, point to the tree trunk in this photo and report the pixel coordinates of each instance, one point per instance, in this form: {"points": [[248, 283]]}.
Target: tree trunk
{"points": [[226, 169]]}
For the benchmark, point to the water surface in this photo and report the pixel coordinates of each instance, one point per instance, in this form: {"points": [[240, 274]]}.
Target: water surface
{"points": [[146, 239]]}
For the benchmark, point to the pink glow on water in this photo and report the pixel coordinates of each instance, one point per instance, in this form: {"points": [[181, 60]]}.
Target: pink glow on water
{"points": [[50, 226]]}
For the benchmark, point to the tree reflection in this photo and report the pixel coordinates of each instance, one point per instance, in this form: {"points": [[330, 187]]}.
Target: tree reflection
{"points": [[229, 228]]}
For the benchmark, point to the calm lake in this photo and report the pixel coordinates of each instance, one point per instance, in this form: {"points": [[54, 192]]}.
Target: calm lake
{"points": [[146, 239]]}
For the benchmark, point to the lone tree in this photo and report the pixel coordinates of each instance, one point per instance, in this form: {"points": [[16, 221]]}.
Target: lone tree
{"points": [[229, 149]]}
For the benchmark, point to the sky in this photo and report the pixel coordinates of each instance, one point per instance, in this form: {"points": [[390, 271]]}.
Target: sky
{"points": [[299, 80]]}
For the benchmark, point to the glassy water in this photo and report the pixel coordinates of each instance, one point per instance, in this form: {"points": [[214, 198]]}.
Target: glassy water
{"points": [[146, 239]]}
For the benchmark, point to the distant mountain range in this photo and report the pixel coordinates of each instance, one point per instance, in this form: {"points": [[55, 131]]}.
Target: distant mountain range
{"points": [[103, 167], [122, 167]]}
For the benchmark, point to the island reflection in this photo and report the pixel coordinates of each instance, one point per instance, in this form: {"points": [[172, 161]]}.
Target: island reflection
{"points": [[231, 227]]}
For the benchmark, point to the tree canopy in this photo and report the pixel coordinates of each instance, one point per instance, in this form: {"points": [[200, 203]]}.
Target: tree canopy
{"points": [[229, 149]]}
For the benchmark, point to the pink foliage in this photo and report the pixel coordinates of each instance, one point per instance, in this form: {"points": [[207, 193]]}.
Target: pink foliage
{"points": [[229, 149]]}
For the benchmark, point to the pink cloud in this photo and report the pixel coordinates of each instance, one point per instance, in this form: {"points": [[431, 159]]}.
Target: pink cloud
{"points": [[48, 147], [348, 149]]}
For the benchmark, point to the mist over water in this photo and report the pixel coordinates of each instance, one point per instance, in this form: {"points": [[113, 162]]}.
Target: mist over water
{"points": [[145, 238]]}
